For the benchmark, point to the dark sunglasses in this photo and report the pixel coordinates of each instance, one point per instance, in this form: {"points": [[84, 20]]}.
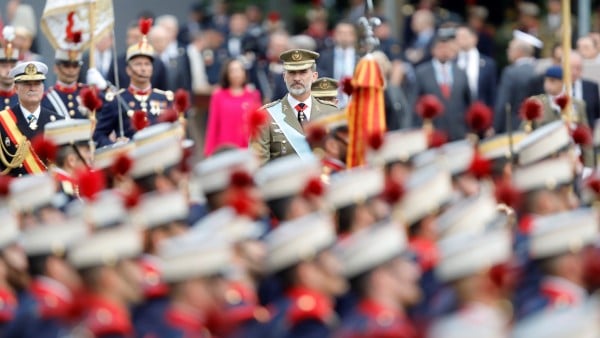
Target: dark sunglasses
{"points": [[72, 64]]}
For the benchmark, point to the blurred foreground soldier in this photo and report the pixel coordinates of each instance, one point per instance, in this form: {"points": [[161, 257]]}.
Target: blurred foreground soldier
{"points": [[556, 246], [334, 145], [467, 263], [284, 134], [299, 255], [34, 200], [385, 280], [9, 234], [63, 98], [139, 96], [193, 266], [73, 140], [112, 281], [20, 123], [326, 89], [241, 315], [398, 153], [284, 183], [51, 303], [8, 59], [161, 216], [500, 150]]}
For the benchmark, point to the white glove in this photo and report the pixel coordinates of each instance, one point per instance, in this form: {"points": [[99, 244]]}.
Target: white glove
{"points": [[94, 77]]}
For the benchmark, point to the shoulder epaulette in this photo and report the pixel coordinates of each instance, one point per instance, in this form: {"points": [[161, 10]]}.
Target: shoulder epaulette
{"points": [[325, 102], [167, 93], [270, 104], [110, 94]]}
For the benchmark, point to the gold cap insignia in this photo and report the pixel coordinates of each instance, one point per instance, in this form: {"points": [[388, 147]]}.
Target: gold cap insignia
{"points": [[31, 69], [296, 56], [324, 85]]}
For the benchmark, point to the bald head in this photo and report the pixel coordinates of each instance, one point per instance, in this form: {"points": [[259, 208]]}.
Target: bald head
{"points": [[518, 49], [159, 38], [587, 47], [170, 24]]}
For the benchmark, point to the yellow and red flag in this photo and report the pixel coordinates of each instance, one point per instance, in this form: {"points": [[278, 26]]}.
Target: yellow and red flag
{"points": [[366, 111]]}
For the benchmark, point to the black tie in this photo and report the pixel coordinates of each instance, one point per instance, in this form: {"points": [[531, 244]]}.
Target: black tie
{"points": [[301, 116]]}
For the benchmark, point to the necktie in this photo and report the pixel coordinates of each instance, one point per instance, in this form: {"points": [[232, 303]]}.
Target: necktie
{"points": [[301, 116], [445, 86], [32, 120]]}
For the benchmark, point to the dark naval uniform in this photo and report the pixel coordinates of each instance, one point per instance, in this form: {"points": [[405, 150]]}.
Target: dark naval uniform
{"points": [[8, 137], [65, 100], [153, 102], [374, 320], [8, 98]]}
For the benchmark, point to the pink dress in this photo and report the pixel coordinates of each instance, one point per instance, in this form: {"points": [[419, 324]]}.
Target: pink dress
{"points": [[226, 116]]}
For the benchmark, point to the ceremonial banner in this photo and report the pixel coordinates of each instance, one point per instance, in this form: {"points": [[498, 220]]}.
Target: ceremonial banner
{"points": [[366, 112], [62, 16]]}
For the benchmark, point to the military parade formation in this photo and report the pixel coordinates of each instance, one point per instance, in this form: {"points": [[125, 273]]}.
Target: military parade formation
{"points": [[326, 225]]}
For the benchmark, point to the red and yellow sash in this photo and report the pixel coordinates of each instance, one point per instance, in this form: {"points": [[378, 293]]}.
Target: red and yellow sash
{"points": [[31, 163]]}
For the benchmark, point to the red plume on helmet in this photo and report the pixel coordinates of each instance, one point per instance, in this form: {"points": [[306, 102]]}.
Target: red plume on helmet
{"points": [[71, 35], [436, 138], [121, 165], [429, 107], [313, 188], [479, 117], [531, 109], [90, 182], [139, 120], [393, 191], [145, 24], [45, 149], [375, 140], [562, 101], [132, 198], [480, 167], [256, 119], [346, 85], [507, 194], [582, 135], [315, 133], [168, 115], [241, 179], [5, 185]]}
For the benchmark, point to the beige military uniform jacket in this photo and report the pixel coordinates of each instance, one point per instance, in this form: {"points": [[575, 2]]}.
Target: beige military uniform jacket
{"points": [[272, 143]]}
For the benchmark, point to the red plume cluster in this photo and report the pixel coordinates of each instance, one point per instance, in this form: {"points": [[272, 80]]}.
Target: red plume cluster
{"points": [[531, 109], [145, 24], [594, 183], [393, 191], [185, 164], [5, 185], [582, 135], [375, 140], [241, 179], [45, 149], [72, 36], [313, 188], [274, 16], [437, 138], [507, 194], [121, 165], [480, 167], [256, 119], [562, 101], [479, 117], [90, 99], [429, 107], [90, 183], [347, 87], [168, 115], [315, 133], [139, 120], [181, 103], [132, 198], [242, 202]]}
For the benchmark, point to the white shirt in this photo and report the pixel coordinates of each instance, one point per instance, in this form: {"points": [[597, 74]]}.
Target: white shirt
{"points": [[344, 62], [469, 62], [104, 58], [35, 113], [293, 102], [577, 89]]}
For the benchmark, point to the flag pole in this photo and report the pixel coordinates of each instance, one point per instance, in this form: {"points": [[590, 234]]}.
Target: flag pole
{"points": [[566, 64], [92, 19]]}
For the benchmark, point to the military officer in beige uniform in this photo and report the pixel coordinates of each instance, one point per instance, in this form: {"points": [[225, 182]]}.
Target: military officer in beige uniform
{"points": [[284, 134]]}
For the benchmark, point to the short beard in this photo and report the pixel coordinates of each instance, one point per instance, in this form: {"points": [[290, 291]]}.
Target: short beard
{"points": [[297, 91]]}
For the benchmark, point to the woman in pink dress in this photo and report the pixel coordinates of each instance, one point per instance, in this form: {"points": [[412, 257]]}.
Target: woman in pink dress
{"points": [[228, 106]]}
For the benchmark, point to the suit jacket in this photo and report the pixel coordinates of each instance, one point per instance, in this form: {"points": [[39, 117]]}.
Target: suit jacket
{"points": [[513, 89], [452, 121], [592, 100], [486, 85], [326, 63], [45, 117], [272, 143]]}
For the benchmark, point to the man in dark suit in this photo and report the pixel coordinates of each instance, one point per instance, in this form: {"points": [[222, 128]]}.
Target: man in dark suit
{"points": [[584, 90], [515, 80], [20, 123], [442, 77], [480, 69]]}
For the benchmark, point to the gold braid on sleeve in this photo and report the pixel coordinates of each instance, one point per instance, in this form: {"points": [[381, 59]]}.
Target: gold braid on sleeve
{"points": [[17, 158]]}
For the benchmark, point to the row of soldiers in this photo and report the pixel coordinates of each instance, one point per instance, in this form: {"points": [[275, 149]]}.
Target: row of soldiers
{"points": [[464, 239]]}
